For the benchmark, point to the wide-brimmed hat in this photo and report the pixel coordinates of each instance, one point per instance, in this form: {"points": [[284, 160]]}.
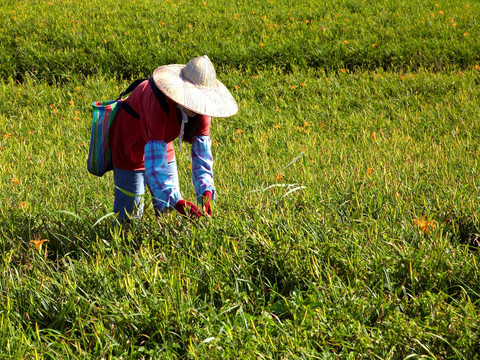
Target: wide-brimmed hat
{"points": [[195, 87]]}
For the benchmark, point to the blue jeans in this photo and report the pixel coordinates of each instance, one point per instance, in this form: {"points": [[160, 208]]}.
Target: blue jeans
{"points": [[129, 202]]}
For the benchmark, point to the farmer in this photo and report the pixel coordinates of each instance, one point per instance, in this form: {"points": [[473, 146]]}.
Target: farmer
{"points": [[177, 101]]}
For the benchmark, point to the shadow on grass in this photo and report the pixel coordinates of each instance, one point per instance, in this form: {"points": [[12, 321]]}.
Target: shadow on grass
{"points": [[67, 234], [464, 229]]}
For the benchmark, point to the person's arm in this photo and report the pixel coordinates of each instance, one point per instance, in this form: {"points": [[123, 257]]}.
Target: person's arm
{"points": [[202, 171], [163, 189]]}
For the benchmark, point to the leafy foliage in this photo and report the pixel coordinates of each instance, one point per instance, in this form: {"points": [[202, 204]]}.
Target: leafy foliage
{"points": [[63, 38], [346, 224]]}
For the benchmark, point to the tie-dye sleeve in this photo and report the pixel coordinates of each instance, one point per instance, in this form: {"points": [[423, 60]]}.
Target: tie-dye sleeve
{"points": [[202, 164], [156, 164]]}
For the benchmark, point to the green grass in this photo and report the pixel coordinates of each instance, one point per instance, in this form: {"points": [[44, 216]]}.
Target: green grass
{"points": [[54, 42], [314, 250]]}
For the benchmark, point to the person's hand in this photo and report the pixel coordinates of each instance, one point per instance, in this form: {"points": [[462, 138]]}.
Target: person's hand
{"points": [[207, 202], [189, 209]]}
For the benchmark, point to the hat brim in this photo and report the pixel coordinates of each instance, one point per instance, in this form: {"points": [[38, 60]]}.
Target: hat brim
{"points": [[215, 101]]}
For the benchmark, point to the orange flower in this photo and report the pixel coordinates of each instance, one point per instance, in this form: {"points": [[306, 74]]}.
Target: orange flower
{"points": [[369, 171], [302, 84], [324, 29], [343, 70], [306, 124], [477, 67], [425, 225], [255, 76], [239, 131], [236, 87], [373, 45], [71, 102], [264, 17], [15, 181], [277, 126], [346, 41], [38, 243], [292, 87], [31, 132], [280, 177], [322, 125], [299, 128], [437, 5], [262, 44], [373, 135], [441, 12], [162, 23], [277, 110], [465, 34], [7, 135], [292, 18], [307, 21], [402, 77]]}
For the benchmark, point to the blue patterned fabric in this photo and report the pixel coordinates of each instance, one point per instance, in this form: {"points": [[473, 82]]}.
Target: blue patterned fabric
{"points": [[202, 164], [165, 192]]}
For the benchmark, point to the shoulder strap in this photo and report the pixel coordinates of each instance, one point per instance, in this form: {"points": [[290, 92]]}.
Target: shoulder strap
{"points": [[159, 95], [126, 106], [131, 87]]}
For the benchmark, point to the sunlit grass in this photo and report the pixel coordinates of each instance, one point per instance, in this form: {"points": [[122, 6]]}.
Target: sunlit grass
{"points": [[55, 40], [328, 258], [346, 223]]}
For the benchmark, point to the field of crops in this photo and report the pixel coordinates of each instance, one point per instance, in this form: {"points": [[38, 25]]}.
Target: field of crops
{"points": [[347, 220]]}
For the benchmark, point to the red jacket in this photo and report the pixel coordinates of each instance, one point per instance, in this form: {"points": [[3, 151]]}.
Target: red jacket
{"points": [[129, 135]]}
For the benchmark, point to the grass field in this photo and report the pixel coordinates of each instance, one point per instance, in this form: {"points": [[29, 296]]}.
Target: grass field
{"points": [[346, 224]]}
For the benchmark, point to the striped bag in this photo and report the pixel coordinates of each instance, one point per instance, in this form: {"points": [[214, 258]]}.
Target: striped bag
{"points": [[99, 155]]}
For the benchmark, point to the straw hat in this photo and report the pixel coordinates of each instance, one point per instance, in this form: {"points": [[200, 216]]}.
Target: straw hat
{"points": [[195, 87]]}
